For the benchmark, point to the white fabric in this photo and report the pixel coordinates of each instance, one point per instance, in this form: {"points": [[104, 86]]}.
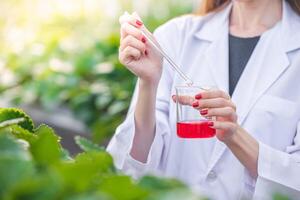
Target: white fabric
{"points": [[268, 106]]}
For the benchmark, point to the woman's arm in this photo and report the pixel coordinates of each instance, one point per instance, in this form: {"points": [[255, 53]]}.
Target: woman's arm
{"points": [[245, 148], [141, 59], [144, 121]]}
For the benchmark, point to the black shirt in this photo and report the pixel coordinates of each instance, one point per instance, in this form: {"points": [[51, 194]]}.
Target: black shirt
{"points": [[240, 51]]}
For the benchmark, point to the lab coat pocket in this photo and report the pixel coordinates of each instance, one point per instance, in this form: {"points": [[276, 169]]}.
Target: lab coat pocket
{"points": [[273, 120], [277, 106]]}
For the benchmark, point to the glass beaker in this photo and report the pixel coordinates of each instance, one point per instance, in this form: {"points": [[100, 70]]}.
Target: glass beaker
{"points": [[190, 123]]}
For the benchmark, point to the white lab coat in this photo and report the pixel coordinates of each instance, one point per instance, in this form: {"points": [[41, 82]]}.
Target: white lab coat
{"points": [[267, 97]]}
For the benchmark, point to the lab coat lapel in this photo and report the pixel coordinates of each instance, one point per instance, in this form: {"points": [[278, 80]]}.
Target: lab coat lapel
{"points": [[215, 57], [267, 63], [216, 60]]}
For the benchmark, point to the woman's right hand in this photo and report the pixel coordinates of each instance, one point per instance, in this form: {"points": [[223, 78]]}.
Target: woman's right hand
{"points": [[136, 53]]}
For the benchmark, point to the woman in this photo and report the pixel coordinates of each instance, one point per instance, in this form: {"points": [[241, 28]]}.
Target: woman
{"points": [[249, 49]]}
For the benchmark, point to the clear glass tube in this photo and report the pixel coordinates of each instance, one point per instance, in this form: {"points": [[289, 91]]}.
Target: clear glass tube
{"points": [[187, 80]]}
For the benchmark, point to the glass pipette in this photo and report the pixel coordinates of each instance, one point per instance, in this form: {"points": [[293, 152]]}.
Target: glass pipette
{"points": [[187, 80]]}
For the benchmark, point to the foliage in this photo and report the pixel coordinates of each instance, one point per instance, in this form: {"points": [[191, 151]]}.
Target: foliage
{"points": [[73, 61], [87, 145], [13, 113], [280, 197], [36, 167]]}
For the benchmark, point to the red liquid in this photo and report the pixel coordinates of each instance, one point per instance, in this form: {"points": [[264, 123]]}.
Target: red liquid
{"points": [[195, 129]]}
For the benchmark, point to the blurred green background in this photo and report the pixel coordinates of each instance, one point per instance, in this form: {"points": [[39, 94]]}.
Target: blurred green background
{"points": [[59, 62]]}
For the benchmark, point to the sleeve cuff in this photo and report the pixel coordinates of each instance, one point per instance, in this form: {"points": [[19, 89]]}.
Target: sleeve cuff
{"points": [[121, 145], [264, 161], [249, 181], [278, 167], [134, 167]]}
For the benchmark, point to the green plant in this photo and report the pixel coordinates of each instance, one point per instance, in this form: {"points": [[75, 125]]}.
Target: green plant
{"points": [[72, 62], [34, 166]]}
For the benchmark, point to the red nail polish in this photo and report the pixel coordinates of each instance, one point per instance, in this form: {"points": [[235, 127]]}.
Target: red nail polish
{"points": [[143, 39], [198, 96], [204, 112], [139, 23], [210, 123], [174, 98], [195, 104]]}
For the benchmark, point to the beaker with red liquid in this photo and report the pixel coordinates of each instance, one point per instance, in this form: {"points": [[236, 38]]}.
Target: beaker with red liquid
{"points": [[190, 123]]}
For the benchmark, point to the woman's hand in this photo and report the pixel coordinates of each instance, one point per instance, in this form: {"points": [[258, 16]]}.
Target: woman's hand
{"points": [[215, 103], [136, 53]]}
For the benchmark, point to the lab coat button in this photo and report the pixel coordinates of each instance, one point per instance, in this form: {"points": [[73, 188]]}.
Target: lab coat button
{"points": [[212, 175]]}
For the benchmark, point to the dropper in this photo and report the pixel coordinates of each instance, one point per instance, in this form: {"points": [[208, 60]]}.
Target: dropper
{"points": [[187, 80]]}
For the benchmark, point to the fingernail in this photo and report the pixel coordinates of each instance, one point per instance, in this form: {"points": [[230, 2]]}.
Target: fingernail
{"points": [[174, 98], [195, 104], [146, 52], [143, 39], [198, 96], [139, 23], [204, 112], [210, 123]]}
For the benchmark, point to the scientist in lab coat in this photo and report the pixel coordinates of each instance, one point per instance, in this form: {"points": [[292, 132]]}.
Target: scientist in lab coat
{"points": [[250, 50]]}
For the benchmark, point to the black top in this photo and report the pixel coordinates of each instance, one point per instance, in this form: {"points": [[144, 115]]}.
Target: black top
{"points": [[240, 51]]}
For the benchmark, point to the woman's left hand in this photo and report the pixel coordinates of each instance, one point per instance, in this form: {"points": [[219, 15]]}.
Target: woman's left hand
{"points": [[216, 103]]}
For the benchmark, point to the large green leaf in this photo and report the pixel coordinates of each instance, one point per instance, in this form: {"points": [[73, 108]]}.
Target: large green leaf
{"points": [[46, 149], [86, 171], [166, 189], [156, 183], [15, 163], [13, 113], [176, 194], [40, 186], [89, 196], [122, 188]]}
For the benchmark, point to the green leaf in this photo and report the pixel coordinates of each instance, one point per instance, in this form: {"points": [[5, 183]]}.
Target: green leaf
{"points": [[65, 155], [280, 197], [22, 133], [11, 122], [87, 145], [45, 186], [122, 188], [10, 147], [175, 194], [89, 196], [13, 113], [166, 189], [15, 163], [46, 149], [86, 171], [156, 183]]}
